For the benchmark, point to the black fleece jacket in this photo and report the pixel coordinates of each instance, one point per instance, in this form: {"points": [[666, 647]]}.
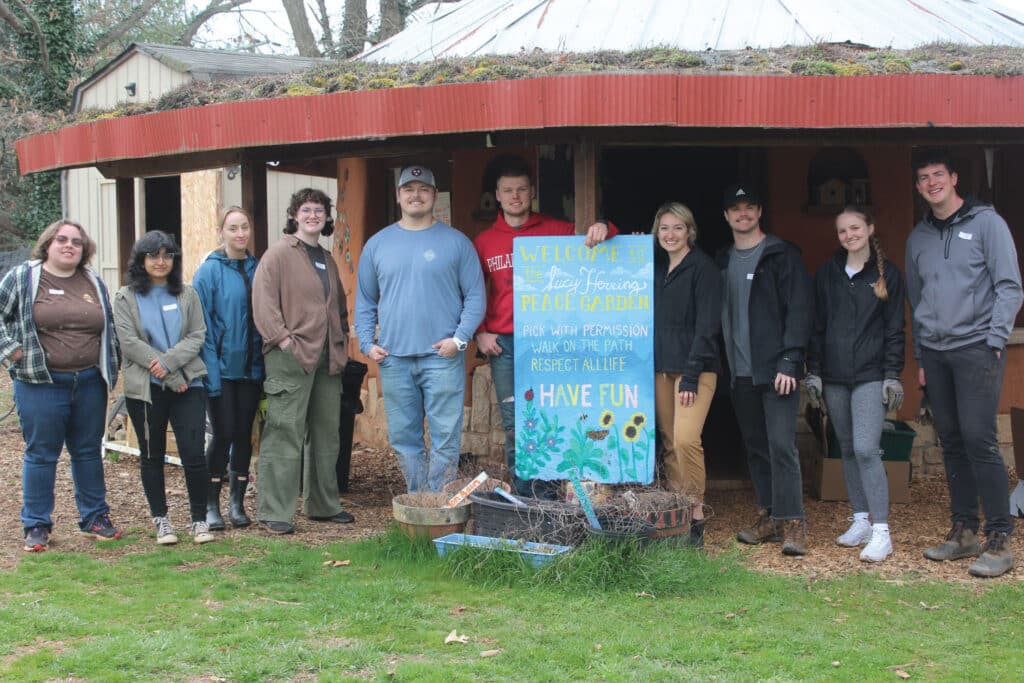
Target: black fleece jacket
{"points": [[856, 337], [780, 312], [687, 316]]}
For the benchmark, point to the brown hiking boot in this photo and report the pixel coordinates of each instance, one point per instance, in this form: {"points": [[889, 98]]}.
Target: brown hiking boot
{"points": [[795, 537], [960, 542], [764, 530], [996, 560]]}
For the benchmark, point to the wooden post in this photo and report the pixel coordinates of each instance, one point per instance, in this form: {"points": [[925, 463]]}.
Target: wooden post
{"points": [[254, 200], [125, 191], [587, 188], [352, 208]]}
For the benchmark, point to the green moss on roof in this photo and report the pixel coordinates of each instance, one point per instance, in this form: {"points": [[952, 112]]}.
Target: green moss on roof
{"points": [[840, 60]]}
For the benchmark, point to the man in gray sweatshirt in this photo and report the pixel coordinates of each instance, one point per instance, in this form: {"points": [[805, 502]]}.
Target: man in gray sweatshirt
{"points": [[964, 288]]}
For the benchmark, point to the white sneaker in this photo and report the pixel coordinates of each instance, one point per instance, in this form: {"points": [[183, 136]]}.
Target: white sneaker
{"points": [[879, 548], [201, 532], [858, 534], [164, 531]]}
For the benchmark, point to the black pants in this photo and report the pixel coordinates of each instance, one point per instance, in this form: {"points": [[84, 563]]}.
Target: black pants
{"points": [[187, 415], [231, 415], [963, 388], [768, 426]]}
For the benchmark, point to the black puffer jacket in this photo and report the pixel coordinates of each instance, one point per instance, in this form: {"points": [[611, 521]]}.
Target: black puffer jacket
{"points": [[856, 337], [687, 316], [780, 312]]}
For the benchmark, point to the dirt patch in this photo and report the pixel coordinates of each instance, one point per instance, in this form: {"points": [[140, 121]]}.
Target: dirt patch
{"points": [[376, 479]]}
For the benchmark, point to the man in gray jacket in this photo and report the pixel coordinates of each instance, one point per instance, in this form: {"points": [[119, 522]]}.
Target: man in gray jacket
{"points": [[964, 287]]}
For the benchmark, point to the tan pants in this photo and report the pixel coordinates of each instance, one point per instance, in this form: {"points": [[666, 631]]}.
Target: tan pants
{"points": [[679, 429]]}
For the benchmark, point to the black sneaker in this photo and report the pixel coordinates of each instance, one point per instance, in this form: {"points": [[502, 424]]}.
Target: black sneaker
{"points": [[37, 539], [276, 527], [340, 518], [102, 529]]}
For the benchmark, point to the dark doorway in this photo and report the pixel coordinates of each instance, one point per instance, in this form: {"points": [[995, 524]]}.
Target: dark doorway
{"points": [[635, 181], [163, 205]]}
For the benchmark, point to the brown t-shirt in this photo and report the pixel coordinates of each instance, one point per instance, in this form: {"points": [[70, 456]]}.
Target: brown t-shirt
{"points": [[69, 321]]}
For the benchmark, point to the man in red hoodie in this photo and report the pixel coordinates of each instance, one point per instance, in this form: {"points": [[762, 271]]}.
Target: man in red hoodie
{"points": [[514, 191]]}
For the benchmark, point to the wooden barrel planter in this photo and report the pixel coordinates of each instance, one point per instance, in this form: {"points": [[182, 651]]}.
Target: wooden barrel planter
{"points": [[423, 515]]}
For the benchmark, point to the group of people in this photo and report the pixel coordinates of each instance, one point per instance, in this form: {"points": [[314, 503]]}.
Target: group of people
{"points": [[244, 328], [845, 330], [424, 291]]}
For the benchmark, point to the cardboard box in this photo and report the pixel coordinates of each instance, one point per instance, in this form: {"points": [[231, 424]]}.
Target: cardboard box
{"points": [[1017, 432], [830, 484]]}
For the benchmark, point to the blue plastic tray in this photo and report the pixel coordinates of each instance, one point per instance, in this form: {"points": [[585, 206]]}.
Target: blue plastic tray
{"points": [[537, 554]]}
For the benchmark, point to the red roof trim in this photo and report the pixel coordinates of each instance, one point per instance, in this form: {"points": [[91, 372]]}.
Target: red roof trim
{"points": [[916, 100]]}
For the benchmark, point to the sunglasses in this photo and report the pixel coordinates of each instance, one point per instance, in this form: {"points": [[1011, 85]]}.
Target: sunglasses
{"points": [[64, 239]]}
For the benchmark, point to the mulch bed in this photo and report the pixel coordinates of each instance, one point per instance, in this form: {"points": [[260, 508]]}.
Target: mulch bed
{"points": [[376, 479]]}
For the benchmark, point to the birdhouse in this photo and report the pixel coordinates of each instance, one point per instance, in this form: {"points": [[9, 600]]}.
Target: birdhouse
{"points": [[832, 192]]}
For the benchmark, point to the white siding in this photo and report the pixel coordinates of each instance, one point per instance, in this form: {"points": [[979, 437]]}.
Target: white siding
{"points": [[151, 78], [280, 187]]}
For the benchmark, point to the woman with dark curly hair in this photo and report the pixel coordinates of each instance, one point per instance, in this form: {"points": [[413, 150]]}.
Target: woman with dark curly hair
{"points": [[57, 334], [299, 307], [161, 328]]}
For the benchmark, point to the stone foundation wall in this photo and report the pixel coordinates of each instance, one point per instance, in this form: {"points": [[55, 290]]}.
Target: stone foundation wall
{"points": [[483, 438]]}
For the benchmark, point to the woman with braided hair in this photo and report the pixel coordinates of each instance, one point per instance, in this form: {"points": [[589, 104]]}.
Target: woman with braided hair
{"points": [[854, 362]]}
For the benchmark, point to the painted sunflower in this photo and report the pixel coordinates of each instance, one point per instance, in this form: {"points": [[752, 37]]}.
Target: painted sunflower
{"points": [[631, 432], [638, 419], [607, 418]]}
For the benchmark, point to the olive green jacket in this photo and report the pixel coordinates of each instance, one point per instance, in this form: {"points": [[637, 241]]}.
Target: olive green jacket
{"points": [[182, 361]]}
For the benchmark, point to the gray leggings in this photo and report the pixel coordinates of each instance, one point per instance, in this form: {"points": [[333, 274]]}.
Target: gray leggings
{"points": [[857, 415]]}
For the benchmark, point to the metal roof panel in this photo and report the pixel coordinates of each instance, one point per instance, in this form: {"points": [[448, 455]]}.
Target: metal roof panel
{"points": [[496, 27]]}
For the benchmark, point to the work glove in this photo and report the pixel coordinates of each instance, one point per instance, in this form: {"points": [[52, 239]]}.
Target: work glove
{"points": [[812, 383], [892, 394], [924, 413]]}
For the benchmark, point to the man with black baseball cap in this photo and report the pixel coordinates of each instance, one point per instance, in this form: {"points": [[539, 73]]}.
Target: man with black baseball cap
{"points": [[766, 322]]}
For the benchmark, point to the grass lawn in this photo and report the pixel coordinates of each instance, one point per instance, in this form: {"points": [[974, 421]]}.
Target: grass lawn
{"points": [[266, 609]]}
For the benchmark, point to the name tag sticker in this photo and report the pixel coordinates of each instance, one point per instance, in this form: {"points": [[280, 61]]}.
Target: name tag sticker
{"points": [[966, 236], [170, 307], [750, 276], [59, 292], [321, 266]]}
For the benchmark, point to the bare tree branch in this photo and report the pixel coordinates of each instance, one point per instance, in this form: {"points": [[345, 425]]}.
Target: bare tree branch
{"points": [[125, 25], [324, 19], [213, 9], [353, 28], [390, 19], [8, 16], [44, 53], [303, 34]]}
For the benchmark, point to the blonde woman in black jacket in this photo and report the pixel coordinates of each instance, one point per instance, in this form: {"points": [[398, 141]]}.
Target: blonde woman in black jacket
{"points": [[687, 314]]}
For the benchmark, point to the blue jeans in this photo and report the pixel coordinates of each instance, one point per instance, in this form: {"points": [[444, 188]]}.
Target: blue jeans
{"points": [[963, 388], [768, 426], [70, 411], [503, 375], [431, 385]]}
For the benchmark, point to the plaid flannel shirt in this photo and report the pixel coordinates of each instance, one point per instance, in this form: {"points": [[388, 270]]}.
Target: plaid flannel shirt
{"points": [[18, 328]]}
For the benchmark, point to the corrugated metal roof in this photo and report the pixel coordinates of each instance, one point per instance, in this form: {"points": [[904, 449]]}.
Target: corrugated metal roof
{"points": [[491, 27], [592, 100]]}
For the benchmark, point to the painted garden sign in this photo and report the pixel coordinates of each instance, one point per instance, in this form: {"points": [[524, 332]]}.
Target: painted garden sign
{"points": [[584, 363]]}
